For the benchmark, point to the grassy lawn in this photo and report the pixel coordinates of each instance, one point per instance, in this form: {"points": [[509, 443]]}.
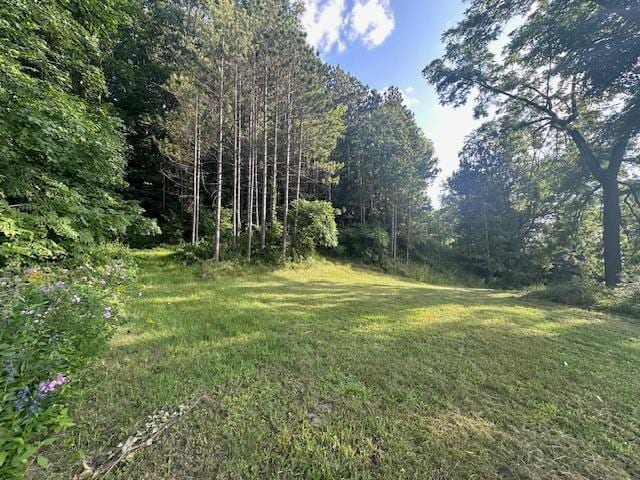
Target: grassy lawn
{"points": [[331, 371]]}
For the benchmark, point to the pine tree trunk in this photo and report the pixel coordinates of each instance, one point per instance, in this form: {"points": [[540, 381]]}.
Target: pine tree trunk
{"points": [[265, 166], [250, 173], [361, 193], [216, 248], [194, 221], [393, 232], [285, 217], [612, 220], [234, 207], [299, 174], [486, 238], [198, 184], [408, 235], [274, 173], [256, 184], [239, 189]]}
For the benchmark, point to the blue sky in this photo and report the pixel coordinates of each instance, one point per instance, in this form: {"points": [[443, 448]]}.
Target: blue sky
{"points": [[389, 42]]}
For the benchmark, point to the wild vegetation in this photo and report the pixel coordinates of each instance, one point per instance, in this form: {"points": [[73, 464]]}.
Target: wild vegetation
{"points": [[213, 129]]}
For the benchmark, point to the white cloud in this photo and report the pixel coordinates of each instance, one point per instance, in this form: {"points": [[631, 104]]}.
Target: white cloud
{"points": [[410, 100], [330, 23], [324, 22], [372, 21]]}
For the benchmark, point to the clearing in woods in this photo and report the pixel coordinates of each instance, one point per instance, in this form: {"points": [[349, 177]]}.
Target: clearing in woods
{"points": [[333, 371]]}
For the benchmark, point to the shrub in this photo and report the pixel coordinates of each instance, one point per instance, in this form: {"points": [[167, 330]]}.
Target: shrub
{"points": [[587, 293], [53, 321], [189, 254], [577, 292], [367, 243], [313, 226], [624, 299]]}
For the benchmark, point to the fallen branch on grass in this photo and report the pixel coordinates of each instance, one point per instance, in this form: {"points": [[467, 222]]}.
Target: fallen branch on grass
{"points": [[156, 425]]}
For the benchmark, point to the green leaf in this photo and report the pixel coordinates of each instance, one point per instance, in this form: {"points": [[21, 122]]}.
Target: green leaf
{"points": [[43, 462]]}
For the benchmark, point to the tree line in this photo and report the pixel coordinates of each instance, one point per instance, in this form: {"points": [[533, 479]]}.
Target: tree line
{"points": [[214, 123], [212, 120]]}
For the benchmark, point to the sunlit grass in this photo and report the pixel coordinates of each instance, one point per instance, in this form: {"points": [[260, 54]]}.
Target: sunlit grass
{"points": [[332, 371]]}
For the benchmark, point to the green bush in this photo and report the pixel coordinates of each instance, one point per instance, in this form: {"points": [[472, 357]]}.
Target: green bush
{"points": [[189, 254], [423, 272], [624, 299], [577, 292], [368, 243], [588, 293], [53, 321], [313, 226]]}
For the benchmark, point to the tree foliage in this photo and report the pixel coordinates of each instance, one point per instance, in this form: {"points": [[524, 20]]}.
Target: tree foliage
{"points": [[571, 66], [63, 160]]}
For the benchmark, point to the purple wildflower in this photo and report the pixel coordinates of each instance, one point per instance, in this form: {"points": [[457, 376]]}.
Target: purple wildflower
{"points": [[59, 284], [23, 399], [107, 312], [47, 289], [30, 271], [49, 386]]}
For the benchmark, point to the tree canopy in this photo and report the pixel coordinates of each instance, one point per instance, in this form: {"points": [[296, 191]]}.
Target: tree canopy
{"points": [[547, 77]]}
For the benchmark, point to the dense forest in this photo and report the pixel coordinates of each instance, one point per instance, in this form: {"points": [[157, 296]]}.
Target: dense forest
{"points": [[212, 128], [213, 121]]}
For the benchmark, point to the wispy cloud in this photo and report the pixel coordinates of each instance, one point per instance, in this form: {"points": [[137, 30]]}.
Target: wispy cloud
{"points": [[330, 24]]}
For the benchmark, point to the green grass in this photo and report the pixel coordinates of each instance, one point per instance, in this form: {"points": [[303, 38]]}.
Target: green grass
{"points": [[332, 371]]}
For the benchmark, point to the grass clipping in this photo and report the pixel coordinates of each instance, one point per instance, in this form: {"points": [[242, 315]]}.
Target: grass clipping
{"points": [[155, 426]]}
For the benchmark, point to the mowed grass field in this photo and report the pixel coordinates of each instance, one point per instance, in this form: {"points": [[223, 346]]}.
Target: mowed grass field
{"points": [[331, 371]]}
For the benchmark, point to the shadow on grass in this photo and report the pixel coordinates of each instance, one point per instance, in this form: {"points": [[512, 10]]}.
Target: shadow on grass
{"points": [[432, 372]]}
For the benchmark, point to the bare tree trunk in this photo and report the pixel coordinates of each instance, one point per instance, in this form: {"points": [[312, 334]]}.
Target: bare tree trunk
{"points": [[234, 207], [239, 189], [295, 220], [408, 234], [486, 237], [274, 173], [194, 220], [216, 247], [393, 232], [198, 184], [256, 168], [265, 166], [250, 173], [361, 193], [285, 218]]}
